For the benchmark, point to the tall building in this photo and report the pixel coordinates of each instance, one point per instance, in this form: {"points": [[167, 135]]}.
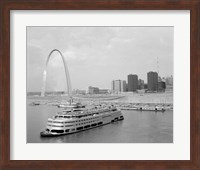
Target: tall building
{"points": [[123, 86], [113, 86], [152, 81], [132, 82], [118, 86]]}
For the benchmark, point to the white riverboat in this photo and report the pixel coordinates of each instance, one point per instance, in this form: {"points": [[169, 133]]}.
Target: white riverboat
{"points": [[77, 119]]}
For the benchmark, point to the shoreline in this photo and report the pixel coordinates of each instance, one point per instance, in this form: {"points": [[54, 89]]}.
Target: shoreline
{"points": [[135, 100]]}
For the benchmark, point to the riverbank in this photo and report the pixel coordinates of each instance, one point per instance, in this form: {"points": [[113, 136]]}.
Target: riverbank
{"points": [[122, 101], [157, 98]]}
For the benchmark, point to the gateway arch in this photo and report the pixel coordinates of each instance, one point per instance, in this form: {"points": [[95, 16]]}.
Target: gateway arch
{"points": [[69, 87]]}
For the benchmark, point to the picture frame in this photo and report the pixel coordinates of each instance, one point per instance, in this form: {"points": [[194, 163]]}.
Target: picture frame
{"points": [[6, 6]]}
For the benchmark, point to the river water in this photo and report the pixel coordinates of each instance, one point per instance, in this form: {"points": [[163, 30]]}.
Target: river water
{"points": [[137, 127]]}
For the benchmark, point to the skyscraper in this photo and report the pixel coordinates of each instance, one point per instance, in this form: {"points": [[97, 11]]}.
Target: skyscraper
{"points": [[123, 85], [118, 86], [132, 82], [152, 80], [113, 86]]}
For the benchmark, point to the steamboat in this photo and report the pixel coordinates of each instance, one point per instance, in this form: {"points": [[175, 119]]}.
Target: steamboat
{"points": [[72, 120]]}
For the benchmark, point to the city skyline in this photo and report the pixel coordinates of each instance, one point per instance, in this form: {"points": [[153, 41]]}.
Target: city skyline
{"points": [[97, 55], [168, 80]]}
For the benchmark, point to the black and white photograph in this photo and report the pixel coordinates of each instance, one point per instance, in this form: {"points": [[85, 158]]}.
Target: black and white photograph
{"points": [[99, 84]]}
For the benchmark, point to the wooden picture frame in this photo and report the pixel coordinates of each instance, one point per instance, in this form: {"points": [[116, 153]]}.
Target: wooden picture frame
{"points": [[7, 5]]}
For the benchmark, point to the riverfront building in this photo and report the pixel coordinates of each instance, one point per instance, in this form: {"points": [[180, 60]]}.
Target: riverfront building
{"points": [[93, 90], [152, 81], [161, 86], [118, 86], [78, 91], [123, 86], [169, 81], [140, 84], [112, 86], [103, 91], [96, 90], [132, 82]]}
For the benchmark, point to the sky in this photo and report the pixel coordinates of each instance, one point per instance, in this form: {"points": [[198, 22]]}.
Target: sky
{"points": [[96, 55]]}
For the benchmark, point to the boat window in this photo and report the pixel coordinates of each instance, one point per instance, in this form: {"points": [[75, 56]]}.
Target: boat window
{"points": [[70, 122], [67, 116], [57, 122], [79, 128], [87, 126], [68, 125], [57, 126], [57, 131]]}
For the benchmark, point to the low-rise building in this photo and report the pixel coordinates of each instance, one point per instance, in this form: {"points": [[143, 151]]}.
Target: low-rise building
{"points": [[103, 91], [93, 90]]}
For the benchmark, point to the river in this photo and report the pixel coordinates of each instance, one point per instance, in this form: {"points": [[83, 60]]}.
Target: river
{"points": [[137, 127]]}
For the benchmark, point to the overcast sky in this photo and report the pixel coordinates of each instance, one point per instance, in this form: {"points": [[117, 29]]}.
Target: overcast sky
{"points": [[97, 55]]}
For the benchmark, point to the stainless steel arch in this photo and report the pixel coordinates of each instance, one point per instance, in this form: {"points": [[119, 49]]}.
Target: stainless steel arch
{"points": [[69, 87]]}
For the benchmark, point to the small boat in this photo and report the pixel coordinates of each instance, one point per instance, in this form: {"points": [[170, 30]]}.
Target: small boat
{"points": [[71, 105]]}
